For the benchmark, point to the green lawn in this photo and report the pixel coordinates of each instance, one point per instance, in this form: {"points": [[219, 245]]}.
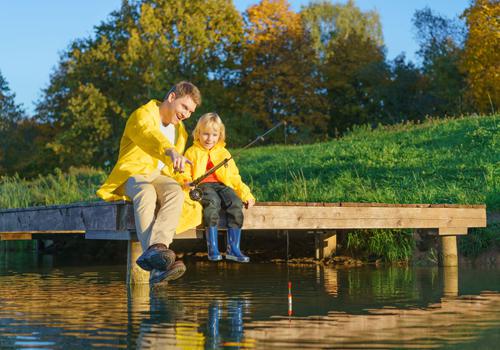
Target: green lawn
{"points": [[438, 161]]}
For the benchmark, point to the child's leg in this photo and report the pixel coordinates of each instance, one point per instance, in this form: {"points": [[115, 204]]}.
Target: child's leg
{"points": [[211, 206], [233, 206], [234, 210], [211, 203]]}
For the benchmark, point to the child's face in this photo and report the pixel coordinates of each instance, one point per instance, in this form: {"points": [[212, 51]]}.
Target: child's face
{"points": [[209, 137]]}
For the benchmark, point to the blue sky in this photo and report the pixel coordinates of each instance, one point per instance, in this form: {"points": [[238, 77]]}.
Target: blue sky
{"points": [[34, 32]]}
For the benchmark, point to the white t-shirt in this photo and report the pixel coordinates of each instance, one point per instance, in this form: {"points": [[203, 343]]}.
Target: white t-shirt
{"points": [[169, 132]]}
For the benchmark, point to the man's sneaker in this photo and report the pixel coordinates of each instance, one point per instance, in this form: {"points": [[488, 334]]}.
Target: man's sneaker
{"points": [[175, 271], [158, 257]]}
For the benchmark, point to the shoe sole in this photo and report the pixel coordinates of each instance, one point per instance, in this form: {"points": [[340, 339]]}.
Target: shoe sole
{"points": [[176, 271], [161, 261], [234, 258], [217, 258]]}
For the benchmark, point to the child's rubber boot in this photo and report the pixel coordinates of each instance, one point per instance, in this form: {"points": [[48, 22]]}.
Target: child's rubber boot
{"points": [[233, 246], [212, 244]]}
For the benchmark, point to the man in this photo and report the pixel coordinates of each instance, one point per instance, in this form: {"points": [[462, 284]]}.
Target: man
{"points": [[150, 154]]}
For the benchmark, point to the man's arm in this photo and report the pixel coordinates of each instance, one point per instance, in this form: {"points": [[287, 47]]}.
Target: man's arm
{"points": [[144, 133]]}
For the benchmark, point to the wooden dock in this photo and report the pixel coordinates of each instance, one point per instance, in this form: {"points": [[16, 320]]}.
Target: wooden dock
{"points": [[115, 221]]}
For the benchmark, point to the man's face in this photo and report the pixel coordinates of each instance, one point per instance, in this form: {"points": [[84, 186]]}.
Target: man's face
{"points": [[180, 108]]}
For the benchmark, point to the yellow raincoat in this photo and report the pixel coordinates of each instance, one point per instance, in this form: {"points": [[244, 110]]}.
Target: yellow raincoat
{"points": [[141, 146], [228, 175]]}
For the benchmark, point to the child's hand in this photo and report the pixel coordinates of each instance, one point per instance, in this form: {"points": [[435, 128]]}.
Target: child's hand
{"points": [[250, 203]]}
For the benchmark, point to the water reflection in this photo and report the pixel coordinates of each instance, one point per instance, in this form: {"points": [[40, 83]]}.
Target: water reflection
{"points": [[166, 322], [245, 306]]}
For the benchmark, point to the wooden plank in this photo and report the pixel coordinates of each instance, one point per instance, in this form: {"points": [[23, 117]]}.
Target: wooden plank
{"points": [[71, 232], [126, 235], [190, 234], [452, 231], [111, 235], [59, 218], [369, 204], [361, 217], [118, 216], [379, 212], [15, 237]]}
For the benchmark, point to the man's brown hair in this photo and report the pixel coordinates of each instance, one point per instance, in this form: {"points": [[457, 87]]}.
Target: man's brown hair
{"points": [[185, 88]]}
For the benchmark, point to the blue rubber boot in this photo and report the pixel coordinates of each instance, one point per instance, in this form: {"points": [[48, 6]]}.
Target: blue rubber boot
{"points": [[233, 246], [213, 340], [212, 244]]}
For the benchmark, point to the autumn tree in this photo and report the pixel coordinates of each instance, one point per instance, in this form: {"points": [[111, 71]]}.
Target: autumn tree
{"points": [[278, 79], [137, 54], [482, 54]]}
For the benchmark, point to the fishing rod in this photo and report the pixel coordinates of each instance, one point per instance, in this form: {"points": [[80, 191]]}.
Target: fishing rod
{"points": [[196, 193]]}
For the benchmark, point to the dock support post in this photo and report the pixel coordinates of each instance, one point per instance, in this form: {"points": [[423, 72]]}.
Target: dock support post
{"points": [[325, 244], [135, 275], [450, 281], [448, 254]]}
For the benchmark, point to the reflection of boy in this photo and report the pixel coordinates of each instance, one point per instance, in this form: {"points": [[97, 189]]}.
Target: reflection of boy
{"points": [[223, 189]]}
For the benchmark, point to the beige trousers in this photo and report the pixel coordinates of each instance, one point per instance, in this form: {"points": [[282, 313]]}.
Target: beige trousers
{"points": [[157, 203]]}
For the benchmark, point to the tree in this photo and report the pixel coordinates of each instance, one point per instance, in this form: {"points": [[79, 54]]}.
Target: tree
{"points": [[354, 75], [482, 54], [327, 22], [11, 115], [10, 112], [137, 54], [23, 139], [350, 61], [404, 96], [441, 47], [278, 79]]}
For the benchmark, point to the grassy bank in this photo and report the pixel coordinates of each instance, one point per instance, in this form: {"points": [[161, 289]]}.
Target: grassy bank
{"points": [[439, 161]]}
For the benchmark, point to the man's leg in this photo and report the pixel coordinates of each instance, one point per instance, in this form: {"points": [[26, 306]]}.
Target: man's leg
{"points": [[170, 198], [143, 193]]}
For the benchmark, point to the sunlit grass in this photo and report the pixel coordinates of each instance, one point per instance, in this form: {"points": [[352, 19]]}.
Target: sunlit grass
{"points": [[438, 161]]}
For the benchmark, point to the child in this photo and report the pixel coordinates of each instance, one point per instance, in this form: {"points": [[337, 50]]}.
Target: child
{"points": [[224, 188]]}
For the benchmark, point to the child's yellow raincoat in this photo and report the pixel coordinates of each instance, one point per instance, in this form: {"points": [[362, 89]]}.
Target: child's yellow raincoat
{"points": [[228, 175]]}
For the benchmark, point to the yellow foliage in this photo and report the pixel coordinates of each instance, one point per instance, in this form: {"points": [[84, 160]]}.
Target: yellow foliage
{"points": [[482, 54], [270, 19]]}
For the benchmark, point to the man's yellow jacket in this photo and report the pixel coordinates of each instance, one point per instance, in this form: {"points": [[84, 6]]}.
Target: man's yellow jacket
{"points": [[228, 175], [141, 146]]}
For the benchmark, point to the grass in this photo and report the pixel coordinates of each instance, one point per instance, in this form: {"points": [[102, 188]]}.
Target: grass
{"points": [[59, 188], [438, 161]]}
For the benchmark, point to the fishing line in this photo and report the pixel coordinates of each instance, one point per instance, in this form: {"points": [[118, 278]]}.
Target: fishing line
{"points": [[196, 193]]}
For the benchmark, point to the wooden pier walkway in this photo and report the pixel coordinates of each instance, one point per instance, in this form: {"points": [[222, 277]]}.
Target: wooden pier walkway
{"points": [[115, 221]]}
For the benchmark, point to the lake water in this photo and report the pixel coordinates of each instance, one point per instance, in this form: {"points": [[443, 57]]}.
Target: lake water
{"points": [[48, 305]]}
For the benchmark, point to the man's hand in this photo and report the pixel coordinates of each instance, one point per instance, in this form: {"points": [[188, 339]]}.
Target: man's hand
{"points": [[178, 161], [250, 203], [187, 185]]}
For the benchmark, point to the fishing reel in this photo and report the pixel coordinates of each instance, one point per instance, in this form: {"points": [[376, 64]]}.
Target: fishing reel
{"points": [[196, 194]]}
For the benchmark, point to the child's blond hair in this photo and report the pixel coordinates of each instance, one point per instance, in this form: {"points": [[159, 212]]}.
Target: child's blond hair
{"points": [[210, 120]]}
